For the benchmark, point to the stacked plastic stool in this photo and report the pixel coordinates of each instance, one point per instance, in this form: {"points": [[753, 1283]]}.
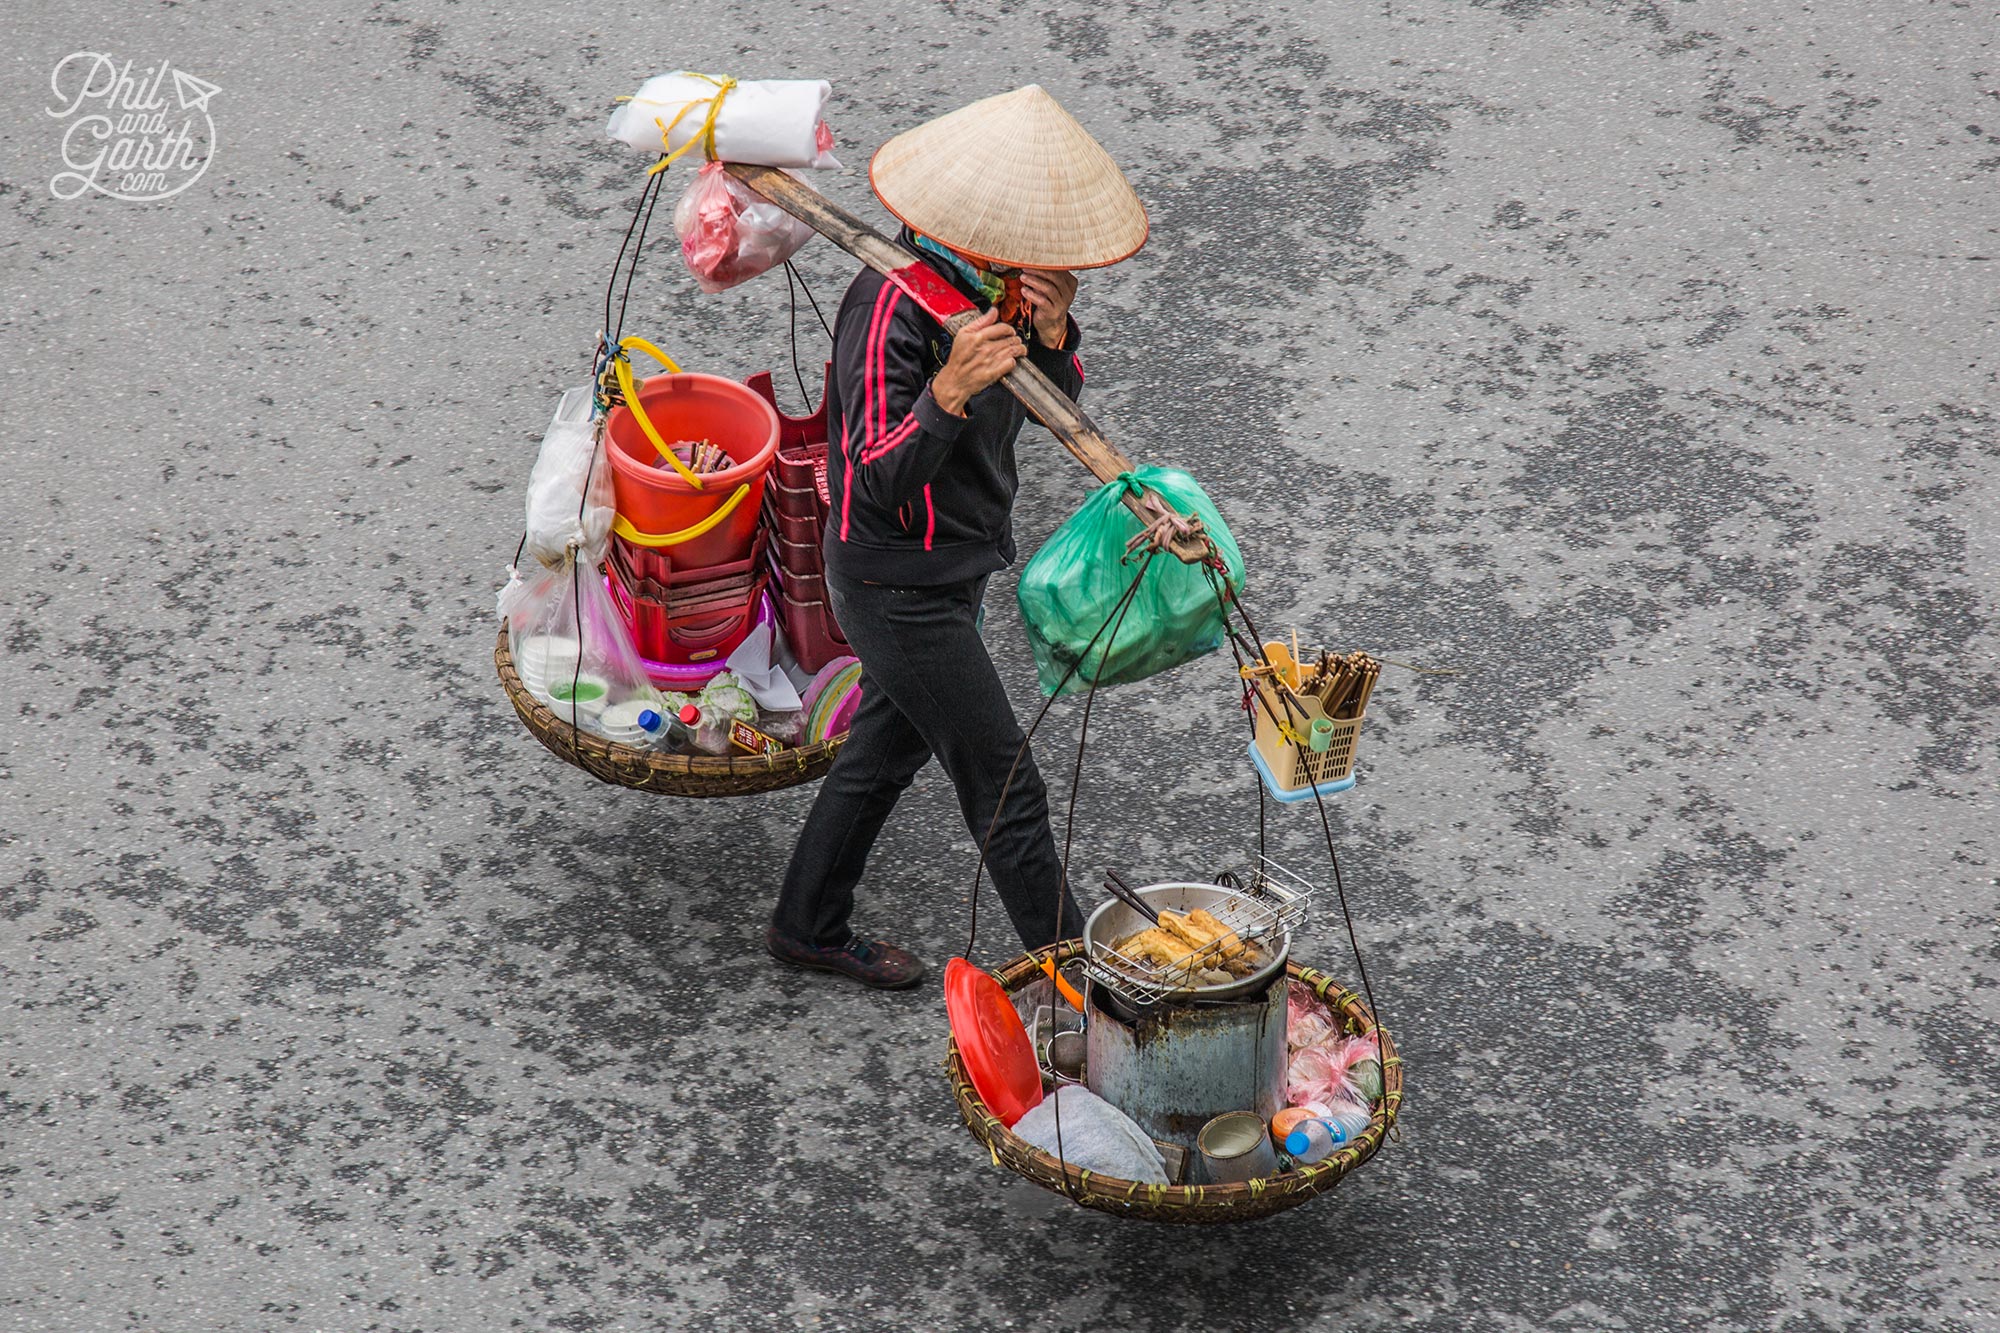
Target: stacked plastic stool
{"points": [[795, 509]]}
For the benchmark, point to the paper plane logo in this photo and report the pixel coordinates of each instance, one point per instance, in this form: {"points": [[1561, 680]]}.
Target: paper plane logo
{"points": [[194, 93], [124, 136]]}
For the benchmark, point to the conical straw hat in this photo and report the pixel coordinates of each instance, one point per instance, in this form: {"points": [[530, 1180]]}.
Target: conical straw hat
{"points": [[1012, 180]]}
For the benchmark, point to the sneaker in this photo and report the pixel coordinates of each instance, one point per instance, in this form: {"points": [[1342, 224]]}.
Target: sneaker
{"points": [[870, 962]]}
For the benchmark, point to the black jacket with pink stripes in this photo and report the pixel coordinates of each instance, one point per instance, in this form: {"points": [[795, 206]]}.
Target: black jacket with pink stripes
{"points": [[920, 497]]}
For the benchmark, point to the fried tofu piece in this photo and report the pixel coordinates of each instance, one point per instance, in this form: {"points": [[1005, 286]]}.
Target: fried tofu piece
{"points": [[1205, 921], [1184, 929], [1155, 946]]}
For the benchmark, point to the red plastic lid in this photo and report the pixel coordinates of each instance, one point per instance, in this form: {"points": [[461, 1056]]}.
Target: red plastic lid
{"points": [[992, 1043]]}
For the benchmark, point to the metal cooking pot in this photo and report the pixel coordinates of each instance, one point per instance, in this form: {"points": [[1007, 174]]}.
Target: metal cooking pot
{"points": [[1114, 921]]}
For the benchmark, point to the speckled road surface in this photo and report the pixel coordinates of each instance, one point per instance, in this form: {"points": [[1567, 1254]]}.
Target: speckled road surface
{"points": [[1636, 359]]}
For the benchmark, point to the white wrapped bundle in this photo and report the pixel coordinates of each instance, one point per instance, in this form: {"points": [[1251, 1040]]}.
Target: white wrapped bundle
{"points": [[770, 122]]}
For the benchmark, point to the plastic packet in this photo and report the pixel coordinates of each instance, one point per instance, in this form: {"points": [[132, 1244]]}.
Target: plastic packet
{"points": [[725, 697], [787, 726], [730, 233], [723, 701], [1092, 1134]]}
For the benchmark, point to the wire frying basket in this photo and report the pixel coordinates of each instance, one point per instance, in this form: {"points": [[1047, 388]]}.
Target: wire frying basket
{"points": [[1264, 907]]}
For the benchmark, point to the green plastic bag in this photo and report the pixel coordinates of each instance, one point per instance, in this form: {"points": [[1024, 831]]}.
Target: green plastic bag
{"points": [[1072, 586]]}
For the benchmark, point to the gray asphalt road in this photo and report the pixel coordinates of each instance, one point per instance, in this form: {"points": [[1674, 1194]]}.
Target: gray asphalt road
{"points": [[1636, 359]]}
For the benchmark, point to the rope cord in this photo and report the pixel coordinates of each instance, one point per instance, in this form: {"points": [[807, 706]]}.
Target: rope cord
{"points": [[641, 209], [1069, 818], [1235, 650], [1117, 611], [642, 218], [814, 302], [1326, 823], [632, 266], [792, 276], [1083, 730], [1112, 622], [792, 327]]}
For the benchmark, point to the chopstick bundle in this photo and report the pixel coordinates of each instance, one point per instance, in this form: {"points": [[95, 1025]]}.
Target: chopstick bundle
{"points": [[1340, 685], [1344, 693], [1306, 713]]}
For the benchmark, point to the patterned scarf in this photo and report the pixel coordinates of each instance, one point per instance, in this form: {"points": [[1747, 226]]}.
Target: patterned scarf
{"points": [[1004, 292]]}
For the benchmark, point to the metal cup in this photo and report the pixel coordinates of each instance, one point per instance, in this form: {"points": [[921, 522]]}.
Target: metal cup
{"points": [[1236, 1146], [1066, 1055]]}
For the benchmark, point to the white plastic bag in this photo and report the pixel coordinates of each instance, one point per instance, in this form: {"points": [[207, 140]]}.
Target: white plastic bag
{"points": [[569, 644], [771, 122], [560, 514], [571, 649], [730, 233]]}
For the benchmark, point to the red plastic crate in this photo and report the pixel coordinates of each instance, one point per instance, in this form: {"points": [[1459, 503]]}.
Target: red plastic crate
{"points": [[799, 585], [795, 430], [801, 463], [696, 624], [797, 529], [796, 503], [798, 557], [802, 475], [656, 564]]}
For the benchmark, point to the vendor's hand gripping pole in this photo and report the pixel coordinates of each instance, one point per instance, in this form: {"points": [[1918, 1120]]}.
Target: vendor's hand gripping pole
{"points": [[1175, 532]]}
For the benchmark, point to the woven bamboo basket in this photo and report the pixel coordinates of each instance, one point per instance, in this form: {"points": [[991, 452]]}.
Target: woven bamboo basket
{"points": [[666, 774], [1240, 1202]]}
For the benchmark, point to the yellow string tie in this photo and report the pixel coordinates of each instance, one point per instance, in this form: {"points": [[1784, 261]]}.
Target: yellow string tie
{"points": [[705, 136]]}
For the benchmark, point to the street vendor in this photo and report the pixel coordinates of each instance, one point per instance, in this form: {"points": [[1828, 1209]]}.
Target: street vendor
{"points": [[1004, 200]]}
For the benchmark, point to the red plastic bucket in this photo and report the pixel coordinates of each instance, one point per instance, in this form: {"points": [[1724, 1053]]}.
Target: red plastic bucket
{"points": [[719, 517]]}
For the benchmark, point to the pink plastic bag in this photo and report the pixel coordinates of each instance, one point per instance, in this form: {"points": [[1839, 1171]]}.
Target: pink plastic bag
{"points": [[729, 233]]}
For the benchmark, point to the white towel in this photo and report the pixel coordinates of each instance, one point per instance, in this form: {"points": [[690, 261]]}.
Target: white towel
{"points": [[1096, 1135]]}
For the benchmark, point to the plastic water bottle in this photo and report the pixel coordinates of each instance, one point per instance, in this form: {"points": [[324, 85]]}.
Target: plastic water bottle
{"points": [[1319, 1138], [671, 733]]}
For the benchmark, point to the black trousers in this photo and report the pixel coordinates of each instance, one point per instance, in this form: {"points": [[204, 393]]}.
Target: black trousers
{"points": [[928, 688]]}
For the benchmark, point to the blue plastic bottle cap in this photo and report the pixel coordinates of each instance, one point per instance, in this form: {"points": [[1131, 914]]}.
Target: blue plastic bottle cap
{"points": [[649, 720], [1297, 1142]]}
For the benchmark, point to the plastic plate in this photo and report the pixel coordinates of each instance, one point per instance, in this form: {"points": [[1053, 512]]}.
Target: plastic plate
{"points": [[992, 1043]]}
